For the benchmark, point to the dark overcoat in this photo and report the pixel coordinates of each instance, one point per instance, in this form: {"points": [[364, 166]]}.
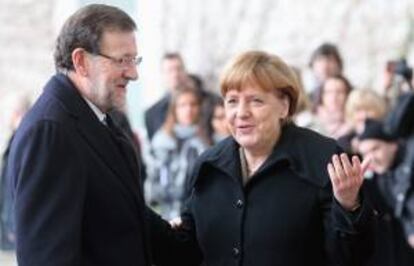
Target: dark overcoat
{"points": [[77, 194], [286, 213]]}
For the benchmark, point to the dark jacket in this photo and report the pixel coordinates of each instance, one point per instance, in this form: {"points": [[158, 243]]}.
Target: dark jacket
{"points": [[7, 235], [77, 198], [155, 115], [285, 215], [397, 186], [391, 246]]}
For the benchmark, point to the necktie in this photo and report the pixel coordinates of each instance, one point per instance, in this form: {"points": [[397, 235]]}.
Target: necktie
{"points": [[123, 144]]}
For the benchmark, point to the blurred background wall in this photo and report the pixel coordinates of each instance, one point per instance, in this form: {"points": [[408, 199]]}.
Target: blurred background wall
{"points": [[207, 34]]}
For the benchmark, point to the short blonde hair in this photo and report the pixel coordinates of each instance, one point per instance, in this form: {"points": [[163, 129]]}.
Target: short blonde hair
{"points": [[365, 99], [265, 70]]}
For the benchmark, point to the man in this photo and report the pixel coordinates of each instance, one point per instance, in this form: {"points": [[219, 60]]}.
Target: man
{"points": [[391, 190], [174, 73], [75, 176], [325, 62]]}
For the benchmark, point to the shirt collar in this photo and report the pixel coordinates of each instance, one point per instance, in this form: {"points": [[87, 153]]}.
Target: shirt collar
{"points": [[99, 114]]}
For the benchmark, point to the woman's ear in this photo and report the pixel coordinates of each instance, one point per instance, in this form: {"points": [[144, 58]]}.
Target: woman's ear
{"points": [[80, 61], [285, 106]]}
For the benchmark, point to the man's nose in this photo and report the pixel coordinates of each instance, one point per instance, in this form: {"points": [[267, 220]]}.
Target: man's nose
{"points": [[131, 72]]}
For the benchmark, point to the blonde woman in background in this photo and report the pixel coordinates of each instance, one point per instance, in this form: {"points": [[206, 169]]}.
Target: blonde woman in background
{"points": [[361, 104]]}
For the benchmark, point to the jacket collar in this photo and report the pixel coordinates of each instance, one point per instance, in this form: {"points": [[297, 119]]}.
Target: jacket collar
{"points": [[61, 87], [296, 149]]}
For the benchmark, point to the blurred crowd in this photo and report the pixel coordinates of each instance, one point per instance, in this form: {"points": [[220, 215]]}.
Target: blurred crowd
{"points": [[189, 118]]}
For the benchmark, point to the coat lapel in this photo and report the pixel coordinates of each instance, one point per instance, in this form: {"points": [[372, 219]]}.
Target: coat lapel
{"points": [[227, 159], [94, 132]]}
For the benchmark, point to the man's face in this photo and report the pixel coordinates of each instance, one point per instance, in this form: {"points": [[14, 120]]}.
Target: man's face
{"points": [[174, 73], [325, 66], [381, 153], [108, 78]]}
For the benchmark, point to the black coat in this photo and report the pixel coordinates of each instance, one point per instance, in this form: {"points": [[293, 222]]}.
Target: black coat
{"points": [[391, 246], [155, 115], [397, 185], [77, 198], [392, 194], [285, 215]]}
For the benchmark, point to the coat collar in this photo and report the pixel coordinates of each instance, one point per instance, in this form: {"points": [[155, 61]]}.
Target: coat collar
{"points": [[305, 152], [87, 123]]}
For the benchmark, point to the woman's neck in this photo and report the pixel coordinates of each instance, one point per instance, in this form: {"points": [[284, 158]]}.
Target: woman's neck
{"points": [[255, 157]]}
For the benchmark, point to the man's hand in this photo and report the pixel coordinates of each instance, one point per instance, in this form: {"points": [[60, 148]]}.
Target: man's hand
{"points": [[176, 222], [411, 240]]}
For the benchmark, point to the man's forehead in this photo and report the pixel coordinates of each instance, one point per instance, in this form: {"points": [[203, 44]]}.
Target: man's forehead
{"points": [[369, 144], [119, 40]]}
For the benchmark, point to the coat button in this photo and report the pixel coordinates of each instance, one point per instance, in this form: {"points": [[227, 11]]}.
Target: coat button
{"points": [[236, 252], [239, 203], [400, 197]]}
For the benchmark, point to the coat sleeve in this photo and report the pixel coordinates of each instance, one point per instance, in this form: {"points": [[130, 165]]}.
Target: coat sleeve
{"points": [[407, 219], [173, 246], [176, 246], [349, 236], [49, 189]]}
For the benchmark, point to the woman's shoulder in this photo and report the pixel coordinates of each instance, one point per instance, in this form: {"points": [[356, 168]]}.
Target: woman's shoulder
{"points": [[309, 137], [218, 155], [310, 153]]}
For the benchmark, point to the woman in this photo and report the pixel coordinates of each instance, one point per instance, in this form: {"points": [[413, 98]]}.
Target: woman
{"points": [[326, 61], [214, 121], [361, 104], [264, 196], [175, 147], [331, 113], [218, 122]]}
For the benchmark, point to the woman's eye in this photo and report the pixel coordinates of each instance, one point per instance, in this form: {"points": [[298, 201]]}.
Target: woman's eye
{"points": [[231, 101], [257, 100]]}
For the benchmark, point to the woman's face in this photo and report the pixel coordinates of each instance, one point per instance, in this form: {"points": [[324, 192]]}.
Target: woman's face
{"points": [[219, 122], [360, 115], [334, 95], [254, 116], [187, 109]]}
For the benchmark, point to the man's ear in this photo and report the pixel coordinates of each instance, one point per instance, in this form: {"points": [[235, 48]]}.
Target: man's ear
{"points": [[80, 61]]}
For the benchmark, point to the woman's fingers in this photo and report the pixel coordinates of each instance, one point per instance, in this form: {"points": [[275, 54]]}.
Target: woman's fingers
{"points": [[348, 167], [339, 170], [332, 175], [346, 177]]}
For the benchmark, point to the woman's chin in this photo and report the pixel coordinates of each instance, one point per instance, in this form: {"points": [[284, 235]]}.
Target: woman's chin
{"points": [[246, 142]]}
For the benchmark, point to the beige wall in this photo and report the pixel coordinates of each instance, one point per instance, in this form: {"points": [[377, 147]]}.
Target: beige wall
{"points": [[25, 61], [208, 33]]}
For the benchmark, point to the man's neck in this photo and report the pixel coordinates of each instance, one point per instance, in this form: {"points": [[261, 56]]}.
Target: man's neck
{"points": [[79, 85]]}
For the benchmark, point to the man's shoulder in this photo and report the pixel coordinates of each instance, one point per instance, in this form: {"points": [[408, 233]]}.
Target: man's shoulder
{"points": [[158, 106], [47, 108]]}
